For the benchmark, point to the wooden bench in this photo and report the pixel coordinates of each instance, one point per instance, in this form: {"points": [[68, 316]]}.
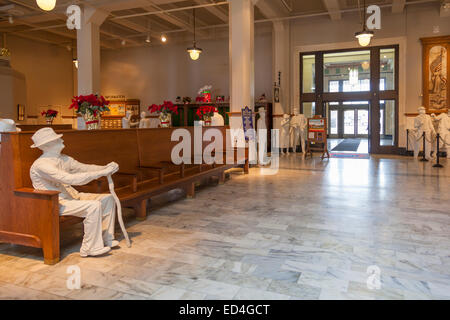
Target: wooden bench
{"points": [[31, 218]]}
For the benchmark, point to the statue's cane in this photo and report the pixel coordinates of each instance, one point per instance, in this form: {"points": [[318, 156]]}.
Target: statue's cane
{"points": [[119, 210]]}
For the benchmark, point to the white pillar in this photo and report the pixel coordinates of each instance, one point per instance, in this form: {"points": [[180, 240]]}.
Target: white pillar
{"points": [[281, 62], [281, 47], [242, 64], [88, 48]]}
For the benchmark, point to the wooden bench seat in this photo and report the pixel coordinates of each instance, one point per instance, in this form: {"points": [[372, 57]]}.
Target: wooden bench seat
{"points": [[31, 218]]}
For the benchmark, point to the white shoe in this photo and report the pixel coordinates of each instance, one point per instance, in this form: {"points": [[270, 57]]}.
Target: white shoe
{"points": [[112, 244], [95, 253]]}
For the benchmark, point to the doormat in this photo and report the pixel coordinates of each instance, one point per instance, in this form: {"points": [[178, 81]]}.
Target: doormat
{"points": [[348, 145], [350, 155]]}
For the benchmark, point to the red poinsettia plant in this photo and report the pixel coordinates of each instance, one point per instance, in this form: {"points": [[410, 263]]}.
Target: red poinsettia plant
{"points": [[49, 113], [206, 111], [165, 108], [93, 104]]}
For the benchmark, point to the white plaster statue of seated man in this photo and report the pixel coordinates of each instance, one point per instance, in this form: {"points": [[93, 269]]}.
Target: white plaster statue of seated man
{"points": [[126, 121], [57, 172], [144, 122]]}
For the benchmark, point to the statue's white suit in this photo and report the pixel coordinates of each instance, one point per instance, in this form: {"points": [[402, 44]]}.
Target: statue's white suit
{"points": [[423, 123], [58, 172], [298, 131]]}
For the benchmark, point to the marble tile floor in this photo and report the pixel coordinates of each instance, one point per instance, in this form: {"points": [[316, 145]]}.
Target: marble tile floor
{"points": [[309, 232]]}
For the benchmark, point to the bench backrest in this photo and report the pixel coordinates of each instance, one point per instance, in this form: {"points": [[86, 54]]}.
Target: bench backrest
{"points": [[128, 147]]}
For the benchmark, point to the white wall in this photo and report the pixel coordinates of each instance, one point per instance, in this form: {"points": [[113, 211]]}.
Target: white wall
{"points": [[155, 73], [48, 72]]}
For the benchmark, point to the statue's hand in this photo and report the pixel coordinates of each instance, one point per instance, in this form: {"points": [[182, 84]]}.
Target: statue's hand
{"points": [[112, 168]]}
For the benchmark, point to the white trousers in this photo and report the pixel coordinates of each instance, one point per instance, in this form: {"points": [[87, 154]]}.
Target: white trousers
{"points": [[98, 211], [298, 136]]}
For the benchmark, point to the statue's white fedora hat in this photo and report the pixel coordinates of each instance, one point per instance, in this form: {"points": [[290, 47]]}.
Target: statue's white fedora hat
{"points": [[43, 136]]}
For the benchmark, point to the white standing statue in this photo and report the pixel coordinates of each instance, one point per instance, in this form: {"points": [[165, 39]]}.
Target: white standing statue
{"points": [[444, 131], [7, 125], [423, 123], [217, 120], [57, 172], [285, 133], [262, 129], [144, 123], [126, 121], [298, 130]]}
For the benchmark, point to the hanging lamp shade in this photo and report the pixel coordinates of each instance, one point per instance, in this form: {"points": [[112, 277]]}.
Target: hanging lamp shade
{"points": [[364, 37], [194, 52], [47, 5]]}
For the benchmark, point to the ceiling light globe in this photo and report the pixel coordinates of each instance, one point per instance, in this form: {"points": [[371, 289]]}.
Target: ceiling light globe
{"points": [[194, 54], [163, 39], [47, 5], [364, 38]]}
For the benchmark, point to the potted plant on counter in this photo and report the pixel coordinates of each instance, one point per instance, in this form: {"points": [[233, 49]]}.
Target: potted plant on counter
{"points": [[49, 115], [206, 113], [165, 111], [91, 108]]}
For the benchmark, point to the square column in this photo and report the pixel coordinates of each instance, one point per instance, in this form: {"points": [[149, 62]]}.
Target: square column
{"points": [[242, 63], [88, 50], [281, 46]]}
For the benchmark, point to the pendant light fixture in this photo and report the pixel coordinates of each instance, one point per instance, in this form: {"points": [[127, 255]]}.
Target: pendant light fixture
{"points": [[365, 35], [194, 52], [46, 5]]}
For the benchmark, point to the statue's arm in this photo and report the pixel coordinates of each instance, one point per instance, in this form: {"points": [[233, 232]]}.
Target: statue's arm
{"points": [[52, 173], [76, 166]]}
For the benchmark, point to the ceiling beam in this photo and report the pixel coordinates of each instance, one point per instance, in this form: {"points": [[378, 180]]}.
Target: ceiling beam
{"points": [[62, 17], [170, 17], [271, 9], [217, 12], [398, 6], [333, 9]]}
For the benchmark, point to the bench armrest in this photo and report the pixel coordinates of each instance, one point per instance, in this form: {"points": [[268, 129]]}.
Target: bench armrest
{"points": [[160, 169], [133, 175], [44, 193]]}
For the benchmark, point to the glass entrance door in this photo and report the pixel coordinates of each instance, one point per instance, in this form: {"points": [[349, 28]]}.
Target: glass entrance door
{"points": [[348, 119], [357, 90]]}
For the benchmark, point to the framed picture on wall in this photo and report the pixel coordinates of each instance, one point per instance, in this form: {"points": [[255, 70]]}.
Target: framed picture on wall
{"points": [[436, 66], [20, 112], [276, 94]]}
